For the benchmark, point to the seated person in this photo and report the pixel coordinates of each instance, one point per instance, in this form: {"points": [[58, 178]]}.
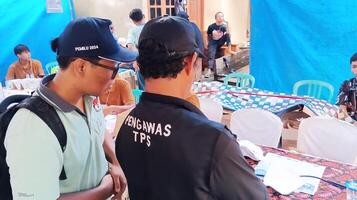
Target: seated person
{"points": [[167, 148], [118, 98], [218, 35], [119, 94], [25, 67], [346, 99]]}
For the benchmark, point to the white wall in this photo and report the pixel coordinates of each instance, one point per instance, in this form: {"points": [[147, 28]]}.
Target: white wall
{"points": [[236, 13], [115, 10]]}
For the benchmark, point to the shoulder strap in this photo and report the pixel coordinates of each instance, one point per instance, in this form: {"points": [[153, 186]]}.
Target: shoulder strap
{"points": [[48, 114]]}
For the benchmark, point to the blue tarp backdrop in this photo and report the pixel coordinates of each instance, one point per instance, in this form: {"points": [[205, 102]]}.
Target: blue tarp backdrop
{"points": [[292, 40], [26, 22]]}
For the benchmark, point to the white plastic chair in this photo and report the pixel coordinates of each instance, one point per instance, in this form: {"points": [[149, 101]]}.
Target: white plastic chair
{"points": [[328, 138], [256, 125], [212, 109]]}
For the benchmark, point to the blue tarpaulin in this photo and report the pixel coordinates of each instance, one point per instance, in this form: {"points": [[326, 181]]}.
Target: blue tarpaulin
{"points": [[27, 22], [294, 40]]}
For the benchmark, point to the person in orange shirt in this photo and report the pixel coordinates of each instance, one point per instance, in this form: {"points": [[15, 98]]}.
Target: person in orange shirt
{"points": [[118, 98], [25, 67]]}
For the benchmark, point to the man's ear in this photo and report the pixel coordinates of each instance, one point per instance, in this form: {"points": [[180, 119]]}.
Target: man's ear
{"points": [[189, 62], [79, 67]]}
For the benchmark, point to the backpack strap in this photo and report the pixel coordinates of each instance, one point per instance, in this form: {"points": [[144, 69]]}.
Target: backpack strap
{"points": [[48, 114], [4, 104]]}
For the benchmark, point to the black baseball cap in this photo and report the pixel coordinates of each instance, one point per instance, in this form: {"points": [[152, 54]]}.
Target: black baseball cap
{"points": [[176, 33], [91, 37]]}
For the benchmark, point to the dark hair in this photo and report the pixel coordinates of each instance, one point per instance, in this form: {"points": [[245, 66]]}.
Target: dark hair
{"points": [[63, 61], [136, 15], [219, 12], [353, 58], [155, 61], [20, 48]]}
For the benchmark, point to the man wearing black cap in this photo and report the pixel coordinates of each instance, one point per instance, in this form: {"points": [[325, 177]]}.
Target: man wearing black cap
{"points": [[168, 149], [199, 41], [88, 57]]}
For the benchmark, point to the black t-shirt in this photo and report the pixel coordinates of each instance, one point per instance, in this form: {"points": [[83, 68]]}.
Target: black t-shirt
{"points": [[170, 151], [216, 27], [347, 96], [226, 37]]}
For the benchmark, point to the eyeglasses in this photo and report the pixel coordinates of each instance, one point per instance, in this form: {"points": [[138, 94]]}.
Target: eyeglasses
{"points": [[115, 69]]}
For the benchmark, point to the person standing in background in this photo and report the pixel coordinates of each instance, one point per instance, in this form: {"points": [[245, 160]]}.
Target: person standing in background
{"points": [[138, 18]]}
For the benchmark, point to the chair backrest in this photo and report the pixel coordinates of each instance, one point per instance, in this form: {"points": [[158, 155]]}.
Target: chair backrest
{"points": [[328, 138], [212, 109], [314, 88], [256, 125], [137, 93], [52, 67], [243, 79]]}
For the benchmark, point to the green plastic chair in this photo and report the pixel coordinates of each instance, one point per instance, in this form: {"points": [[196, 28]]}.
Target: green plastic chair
{"points": [[137, 93], [243, 79], [314, 88], [52, 67]]}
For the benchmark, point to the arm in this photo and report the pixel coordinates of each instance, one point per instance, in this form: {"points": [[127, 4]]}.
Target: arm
{"points": [[131, 46], [10, 73], [131, 40], [342, 97], [232, 177], [126, 95], [114, 167], [103, 191], [39, 70], [35, 159], [209, 32]]}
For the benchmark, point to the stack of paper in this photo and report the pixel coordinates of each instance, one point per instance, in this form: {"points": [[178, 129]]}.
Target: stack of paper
{"points": [[283, 174]]}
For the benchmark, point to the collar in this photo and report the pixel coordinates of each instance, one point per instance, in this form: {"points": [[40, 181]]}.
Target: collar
{"points": [[170, 101], [19, 65], [52, 98]]}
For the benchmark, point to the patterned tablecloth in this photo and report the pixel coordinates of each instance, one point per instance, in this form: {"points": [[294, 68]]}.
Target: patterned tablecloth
{"points": [[234, 98], [334, 171]]}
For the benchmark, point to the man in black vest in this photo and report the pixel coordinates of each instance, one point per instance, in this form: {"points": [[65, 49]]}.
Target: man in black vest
{"points": [[167, 148]]}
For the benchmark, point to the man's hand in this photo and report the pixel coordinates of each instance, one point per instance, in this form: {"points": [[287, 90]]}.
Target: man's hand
{"points": [[119, 179], [107, 184]]}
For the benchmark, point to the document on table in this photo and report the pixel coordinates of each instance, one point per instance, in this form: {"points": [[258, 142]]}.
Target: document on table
{"points": [[283, 174]]}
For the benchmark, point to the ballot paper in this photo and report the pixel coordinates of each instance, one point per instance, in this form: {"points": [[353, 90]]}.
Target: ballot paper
{"points": [[283, 180], [291, 168]]}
